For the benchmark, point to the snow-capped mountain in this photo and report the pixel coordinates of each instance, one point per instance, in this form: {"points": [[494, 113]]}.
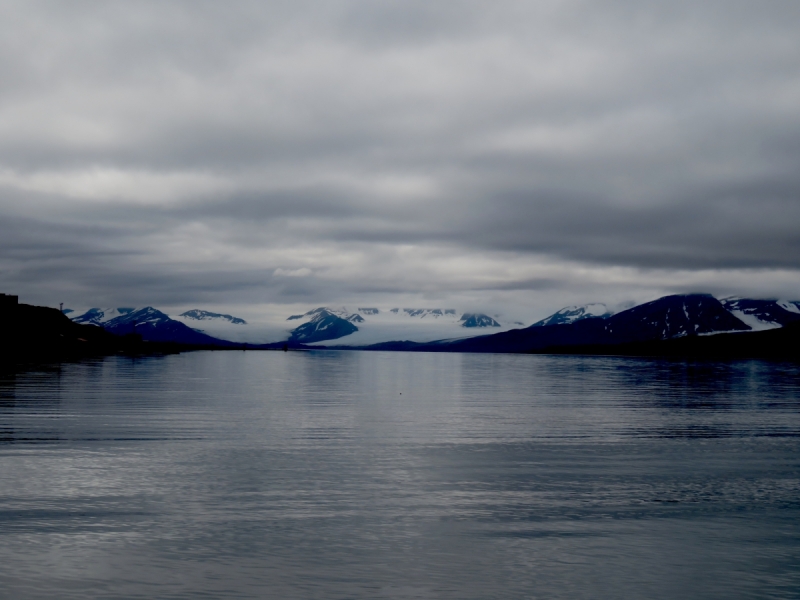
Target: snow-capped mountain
{"points": [[665, 318], [349, 327], [756, 315], [570, 314], [136, 316], [342, 313], [98, 316], [322, 324], [760, 315], [477, 320], [152, 324]]}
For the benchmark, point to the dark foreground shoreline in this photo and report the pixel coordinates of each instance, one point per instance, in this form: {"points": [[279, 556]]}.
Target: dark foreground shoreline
{"points": [[775, 344]]}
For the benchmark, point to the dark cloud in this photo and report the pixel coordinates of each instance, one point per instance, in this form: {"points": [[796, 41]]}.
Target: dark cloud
{"points": [[258, 152]]}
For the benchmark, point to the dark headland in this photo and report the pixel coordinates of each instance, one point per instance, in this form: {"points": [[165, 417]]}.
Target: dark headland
{"points": [[32, 334], [38, 333]]}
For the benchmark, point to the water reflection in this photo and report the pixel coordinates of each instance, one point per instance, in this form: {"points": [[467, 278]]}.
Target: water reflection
{"points": [[348, 475], [29, 406]]}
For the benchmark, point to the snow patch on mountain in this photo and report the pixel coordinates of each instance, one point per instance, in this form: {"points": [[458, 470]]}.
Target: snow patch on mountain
{"points": [[114, 317], [762, 314], [754, 322], [137, 316], [421, 313], [98, 316]]}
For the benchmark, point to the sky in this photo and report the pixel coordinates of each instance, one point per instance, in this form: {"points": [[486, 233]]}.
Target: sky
{"points": [[509, 156]]}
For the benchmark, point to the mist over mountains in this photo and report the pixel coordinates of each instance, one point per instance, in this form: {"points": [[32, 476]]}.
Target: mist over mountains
{"points": [[363, 326]]}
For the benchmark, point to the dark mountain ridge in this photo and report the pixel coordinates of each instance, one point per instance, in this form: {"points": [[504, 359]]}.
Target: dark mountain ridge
{"points": [[324, 325], [155, 326], [672, 316]]}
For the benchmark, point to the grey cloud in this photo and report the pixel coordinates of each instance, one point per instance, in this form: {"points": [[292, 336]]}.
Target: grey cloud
{"points": [[333, 135], [750, 226]]}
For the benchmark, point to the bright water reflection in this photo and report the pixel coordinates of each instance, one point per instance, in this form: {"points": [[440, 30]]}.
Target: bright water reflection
{"points": [[391, 475]]}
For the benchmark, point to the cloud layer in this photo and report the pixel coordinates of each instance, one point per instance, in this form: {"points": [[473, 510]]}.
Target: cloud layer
{"points": [[513, 154]]}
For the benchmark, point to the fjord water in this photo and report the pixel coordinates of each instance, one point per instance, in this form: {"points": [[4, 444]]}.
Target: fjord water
{"points": [[394, 475]]}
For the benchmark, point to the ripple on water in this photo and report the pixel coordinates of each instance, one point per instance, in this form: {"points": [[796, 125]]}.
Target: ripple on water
{"points": [[347, 474]]}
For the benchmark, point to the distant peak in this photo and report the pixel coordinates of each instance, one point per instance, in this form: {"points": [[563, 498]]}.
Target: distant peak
{"points": [[477, 320], [310, 313], [204, 315], [570, 314], [98, 316]]}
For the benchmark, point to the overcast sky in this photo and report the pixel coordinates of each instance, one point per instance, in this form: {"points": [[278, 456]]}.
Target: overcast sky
{"points": [[509, 156]]}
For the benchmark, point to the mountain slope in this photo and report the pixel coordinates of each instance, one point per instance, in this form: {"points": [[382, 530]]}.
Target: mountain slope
{"points": [[151, 324], [322, 326], [673, 316]]}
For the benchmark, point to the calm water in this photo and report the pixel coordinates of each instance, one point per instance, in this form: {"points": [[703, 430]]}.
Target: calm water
{"points": [[392, 475]]}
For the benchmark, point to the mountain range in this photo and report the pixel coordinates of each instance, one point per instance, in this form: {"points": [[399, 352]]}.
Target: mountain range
{"points": [[439, 329], [363, 326], [668, 318], [151, 324]]}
